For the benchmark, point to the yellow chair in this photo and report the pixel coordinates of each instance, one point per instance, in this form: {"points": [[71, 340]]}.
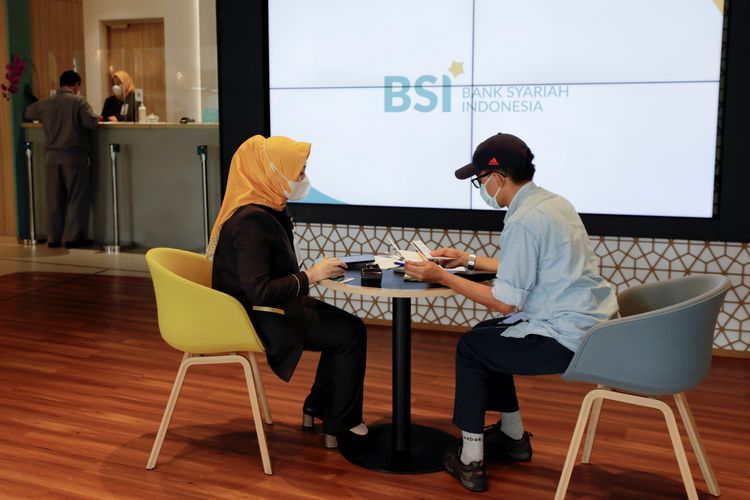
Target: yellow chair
{"points": [[205, 324]]}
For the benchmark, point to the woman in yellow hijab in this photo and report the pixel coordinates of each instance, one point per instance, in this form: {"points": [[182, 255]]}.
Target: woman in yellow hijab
{"points": [[121, 106], [252, 245]]}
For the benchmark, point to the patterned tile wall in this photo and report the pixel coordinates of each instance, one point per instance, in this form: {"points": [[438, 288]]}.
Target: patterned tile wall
{"points": [[623, 261]]}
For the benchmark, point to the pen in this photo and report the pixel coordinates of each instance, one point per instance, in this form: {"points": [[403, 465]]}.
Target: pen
{"points": [[399, 263]]}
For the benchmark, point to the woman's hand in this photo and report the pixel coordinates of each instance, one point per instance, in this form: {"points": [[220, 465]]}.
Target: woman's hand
{"points": [[112, 118], [324, 269], [425, 270], [458, 258]]}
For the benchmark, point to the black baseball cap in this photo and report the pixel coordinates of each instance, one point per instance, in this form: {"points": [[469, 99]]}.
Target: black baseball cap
{"points": [[500, 152]]}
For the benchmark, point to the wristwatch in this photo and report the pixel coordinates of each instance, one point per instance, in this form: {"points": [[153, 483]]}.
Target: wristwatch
{"points": [[472, 262]]}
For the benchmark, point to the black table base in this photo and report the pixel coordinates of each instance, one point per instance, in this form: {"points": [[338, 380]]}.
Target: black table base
{"points": [[424, 453], [400, 447]]}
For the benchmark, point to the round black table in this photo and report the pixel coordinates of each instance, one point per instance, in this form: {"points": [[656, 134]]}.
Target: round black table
{"points": [[399, 447]]}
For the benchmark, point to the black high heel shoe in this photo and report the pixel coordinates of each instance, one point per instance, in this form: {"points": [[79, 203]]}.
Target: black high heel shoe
{"points": [[350, 440], [309, 414], [308, 419], [308, 424]]}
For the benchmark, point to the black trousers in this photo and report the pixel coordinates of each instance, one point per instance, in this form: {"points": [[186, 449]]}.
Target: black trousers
{"points": [[68, 201], [337, 391], [485, 364]]}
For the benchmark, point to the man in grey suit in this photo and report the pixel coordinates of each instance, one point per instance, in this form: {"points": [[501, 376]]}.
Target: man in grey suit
{"points": [[66, 118]]}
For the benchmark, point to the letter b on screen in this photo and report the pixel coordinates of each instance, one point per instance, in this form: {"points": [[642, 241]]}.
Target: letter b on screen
{"points": [[395, 94]]}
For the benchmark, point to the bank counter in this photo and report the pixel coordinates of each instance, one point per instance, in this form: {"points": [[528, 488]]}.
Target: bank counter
{"points": [[160, 182]]}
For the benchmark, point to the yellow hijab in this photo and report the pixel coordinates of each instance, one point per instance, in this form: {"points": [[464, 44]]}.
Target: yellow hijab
{"points": [[128, 87], [253, 180]]}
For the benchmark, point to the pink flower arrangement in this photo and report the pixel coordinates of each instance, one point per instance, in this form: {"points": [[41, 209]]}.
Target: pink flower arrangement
{"points": [[13, 72]]}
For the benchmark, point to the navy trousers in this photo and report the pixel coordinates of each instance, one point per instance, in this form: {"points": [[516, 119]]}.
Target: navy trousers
{"points": [[485, 364]]}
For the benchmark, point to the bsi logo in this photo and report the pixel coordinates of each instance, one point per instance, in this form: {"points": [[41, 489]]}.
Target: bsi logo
{"points": [[398, 93]]}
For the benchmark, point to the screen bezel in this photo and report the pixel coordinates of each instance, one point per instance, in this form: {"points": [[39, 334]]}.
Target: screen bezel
{"points": [[242, 39]]}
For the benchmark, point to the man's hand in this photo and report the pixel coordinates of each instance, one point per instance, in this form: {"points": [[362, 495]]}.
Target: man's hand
{"points": [[458, 258], [425, 270], [112, 118], [324, 269]]}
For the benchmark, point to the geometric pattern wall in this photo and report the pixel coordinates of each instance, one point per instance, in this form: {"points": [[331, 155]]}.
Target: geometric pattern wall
{"points": [[623, 261]]}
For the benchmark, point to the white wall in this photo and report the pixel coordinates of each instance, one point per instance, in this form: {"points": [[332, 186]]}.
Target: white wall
{"points": [[208, 56], [182, 51]]}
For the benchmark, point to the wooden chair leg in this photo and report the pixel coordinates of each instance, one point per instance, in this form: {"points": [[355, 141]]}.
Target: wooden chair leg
{"points": [[674, 434], [168, 411], [260, 387], [249, 379], [588, 444], [187, 361], [695, 441], [679, 450], [575, 443]]}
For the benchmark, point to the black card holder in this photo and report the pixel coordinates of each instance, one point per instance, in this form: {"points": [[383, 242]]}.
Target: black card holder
{"points": [[371, 275]]}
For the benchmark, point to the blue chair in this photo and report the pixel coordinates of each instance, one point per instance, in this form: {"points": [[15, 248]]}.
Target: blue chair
{"points": [[661, 345]]}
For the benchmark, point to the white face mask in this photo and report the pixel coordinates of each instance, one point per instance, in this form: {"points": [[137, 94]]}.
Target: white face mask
{"points": [[489, 200], [299, 189], [117, 90]]}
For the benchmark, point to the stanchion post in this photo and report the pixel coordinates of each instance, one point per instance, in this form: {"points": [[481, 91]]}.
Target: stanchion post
{"points": [[28, 151], [115, 247], [203, 154]]}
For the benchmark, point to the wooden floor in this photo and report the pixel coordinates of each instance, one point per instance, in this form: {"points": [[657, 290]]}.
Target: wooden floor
{"points": [[84, 377]]}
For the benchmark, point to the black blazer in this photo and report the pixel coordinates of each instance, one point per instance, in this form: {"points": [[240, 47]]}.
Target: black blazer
{"points": [[255, 263], [115, 107]]}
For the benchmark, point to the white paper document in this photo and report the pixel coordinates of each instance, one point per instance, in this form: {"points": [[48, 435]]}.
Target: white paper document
{"points": [[405, 254], [386, 262], [425, 250], [423, 253]]}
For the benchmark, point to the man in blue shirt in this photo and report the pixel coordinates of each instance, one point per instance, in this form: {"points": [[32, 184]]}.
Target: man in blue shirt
{"points": [[548, 289]]}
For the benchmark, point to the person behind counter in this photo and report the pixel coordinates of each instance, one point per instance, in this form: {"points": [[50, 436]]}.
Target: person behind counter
{"points": [[547, 269], [252, 245], [121, 107], [66, 118]]}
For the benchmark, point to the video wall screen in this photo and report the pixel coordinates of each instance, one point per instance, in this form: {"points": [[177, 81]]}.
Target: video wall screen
{"points": [[618, 100]]}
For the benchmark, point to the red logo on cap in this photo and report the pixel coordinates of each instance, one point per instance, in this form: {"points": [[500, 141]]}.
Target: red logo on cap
{"points": [[493, 162]]}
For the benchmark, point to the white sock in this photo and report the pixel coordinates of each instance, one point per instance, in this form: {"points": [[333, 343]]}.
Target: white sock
{"points": [[512, 425], [360, 429], [472, 449]]}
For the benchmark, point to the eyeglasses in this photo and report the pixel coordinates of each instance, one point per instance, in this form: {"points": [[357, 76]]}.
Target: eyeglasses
{"points": [[475, 180]]}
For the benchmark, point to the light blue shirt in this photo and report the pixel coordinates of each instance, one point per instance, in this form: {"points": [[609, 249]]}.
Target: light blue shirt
{"points": [[548, 269]]}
